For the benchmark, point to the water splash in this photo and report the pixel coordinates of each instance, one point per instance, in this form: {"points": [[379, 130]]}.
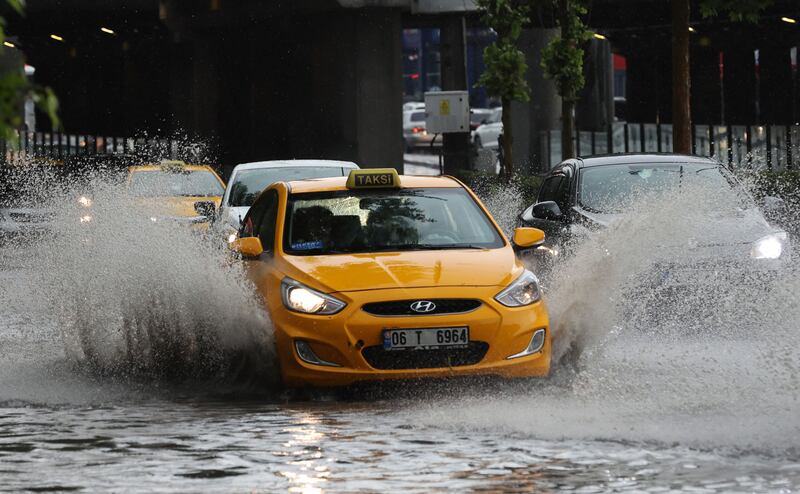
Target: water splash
{"points": [[137, 298], [673, 341]]}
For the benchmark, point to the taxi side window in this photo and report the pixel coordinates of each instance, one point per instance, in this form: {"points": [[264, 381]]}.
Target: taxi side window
{"points": [[265, 225]]}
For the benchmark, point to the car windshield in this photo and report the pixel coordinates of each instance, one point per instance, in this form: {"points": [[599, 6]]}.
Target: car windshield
{"points": [[159, 183], [615, 188], [497, 116], [248, 184], [418, 116], [386, 220]]}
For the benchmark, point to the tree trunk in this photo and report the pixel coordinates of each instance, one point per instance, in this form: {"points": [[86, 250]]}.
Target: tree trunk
{"points": [[567, 129], [507, 164], [681, 112]]}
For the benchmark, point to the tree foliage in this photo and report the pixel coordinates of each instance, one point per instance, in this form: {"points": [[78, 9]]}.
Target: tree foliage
{"points": [[736, 10], [504, 76], [562, 58], [505, 67]]}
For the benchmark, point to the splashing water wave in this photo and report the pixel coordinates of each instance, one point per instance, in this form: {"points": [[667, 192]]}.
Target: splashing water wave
{"points": [[708, 361], [141, 298]]}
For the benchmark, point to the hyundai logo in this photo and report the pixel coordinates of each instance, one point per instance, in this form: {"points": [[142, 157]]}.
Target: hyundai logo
{"points": [[423, 306]]}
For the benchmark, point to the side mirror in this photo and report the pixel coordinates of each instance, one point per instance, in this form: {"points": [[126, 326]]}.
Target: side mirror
{"points": [[527, 215], [247, 247], [528, 237], [547, 210], [205, 208]]}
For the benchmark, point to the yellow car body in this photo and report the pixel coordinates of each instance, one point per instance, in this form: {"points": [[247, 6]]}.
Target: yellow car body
{"points": [[350, 345], [178, 205]]}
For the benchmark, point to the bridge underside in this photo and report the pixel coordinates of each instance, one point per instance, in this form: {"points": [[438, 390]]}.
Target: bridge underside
{"points": [[292, 78]]}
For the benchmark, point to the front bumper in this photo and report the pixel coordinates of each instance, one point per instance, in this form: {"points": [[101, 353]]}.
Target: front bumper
{"points": [[353, 339]]}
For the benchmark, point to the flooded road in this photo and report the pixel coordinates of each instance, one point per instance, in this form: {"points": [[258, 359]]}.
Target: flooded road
{"points": [[653, 409]]}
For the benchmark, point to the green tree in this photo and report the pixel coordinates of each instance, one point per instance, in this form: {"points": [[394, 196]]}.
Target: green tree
{"points": [[505, 66], [15, 88], [736, 10], [562, 61]]}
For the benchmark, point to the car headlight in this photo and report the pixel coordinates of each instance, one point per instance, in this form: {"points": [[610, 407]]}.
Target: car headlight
{"points": [[769, 247], [300, 298], [523, 291], [85, 201]]}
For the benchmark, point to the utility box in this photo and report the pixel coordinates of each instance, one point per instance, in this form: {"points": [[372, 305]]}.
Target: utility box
{"points": [[446, 112]]}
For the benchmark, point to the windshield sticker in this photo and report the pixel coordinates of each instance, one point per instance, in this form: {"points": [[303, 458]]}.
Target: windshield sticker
{"points": [[315, 244]]}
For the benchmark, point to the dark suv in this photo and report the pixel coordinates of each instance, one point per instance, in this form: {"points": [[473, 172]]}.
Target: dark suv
{"points": [[583, 195]]}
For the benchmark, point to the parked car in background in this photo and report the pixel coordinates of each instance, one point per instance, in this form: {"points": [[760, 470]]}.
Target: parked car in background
{"points": [[485, 136], [247, 181], [414, 133], [478, 117], [414, 105]]}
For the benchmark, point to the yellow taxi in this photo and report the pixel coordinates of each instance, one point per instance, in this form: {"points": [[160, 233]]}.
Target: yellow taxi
{"points": [[177, 192], [380, 276]]}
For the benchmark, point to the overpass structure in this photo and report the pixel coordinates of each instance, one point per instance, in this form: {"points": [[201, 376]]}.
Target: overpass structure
{"points": [[323, 78]]}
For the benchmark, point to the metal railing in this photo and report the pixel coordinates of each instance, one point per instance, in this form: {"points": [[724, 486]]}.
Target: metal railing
{"points": [[26, 145], [774, 147]]}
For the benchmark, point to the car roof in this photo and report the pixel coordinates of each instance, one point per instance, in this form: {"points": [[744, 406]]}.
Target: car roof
{"points": [[295, 163], [339, 183], [150, 168], [637, 158]]}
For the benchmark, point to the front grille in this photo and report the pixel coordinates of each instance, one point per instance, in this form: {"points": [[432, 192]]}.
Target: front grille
{"points": [[31, 217], [378, 358], [403, 307]]}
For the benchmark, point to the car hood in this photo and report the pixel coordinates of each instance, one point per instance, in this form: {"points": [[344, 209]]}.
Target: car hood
{"points": [[739, 227], [415, 269], [179, 207]]}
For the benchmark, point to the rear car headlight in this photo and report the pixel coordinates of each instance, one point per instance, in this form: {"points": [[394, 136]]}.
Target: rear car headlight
{"points": [[300, 298], [523, 291], [769, 247]]}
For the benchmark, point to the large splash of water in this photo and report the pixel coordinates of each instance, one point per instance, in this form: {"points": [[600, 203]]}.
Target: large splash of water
{"points": [[135, 295], [676, 335]]}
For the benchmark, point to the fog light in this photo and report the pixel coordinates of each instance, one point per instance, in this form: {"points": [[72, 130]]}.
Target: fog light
{"points": [[307, 355], [536, 344]]}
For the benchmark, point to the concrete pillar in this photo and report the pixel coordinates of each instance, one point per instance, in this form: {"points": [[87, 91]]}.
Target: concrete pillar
{"points": [[379, 89], [595, 108], [739, 87], [776, 79], [456, 146], [542, 113]]}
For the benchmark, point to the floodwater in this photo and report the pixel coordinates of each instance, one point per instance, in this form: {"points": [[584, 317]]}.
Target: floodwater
{"points": [[134, 358]]}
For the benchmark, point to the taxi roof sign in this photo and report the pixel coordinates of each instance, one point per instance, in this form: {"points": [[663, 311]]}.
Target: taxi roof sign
{"points": [[373, 178]]}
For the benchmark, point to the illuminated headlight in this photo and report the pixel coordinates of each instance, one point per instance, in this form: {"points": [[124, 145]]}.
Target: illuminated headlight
{"points": [[153, 219], [769, 247], [231, 238], [300, 298], [84, 201], [523, 291], [86, 219]]}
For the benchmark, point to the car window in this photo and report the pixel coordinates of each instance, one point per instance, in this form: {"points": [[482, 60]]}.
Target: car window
{"points": [[386, 220], [265, 225], [248, 184], [418, 116], [159, 183], [253, 217]]}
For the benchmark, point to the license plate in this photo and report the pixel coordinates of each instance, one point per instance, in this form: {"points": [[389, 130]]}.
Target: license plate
{"points": [[425, 338]]}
